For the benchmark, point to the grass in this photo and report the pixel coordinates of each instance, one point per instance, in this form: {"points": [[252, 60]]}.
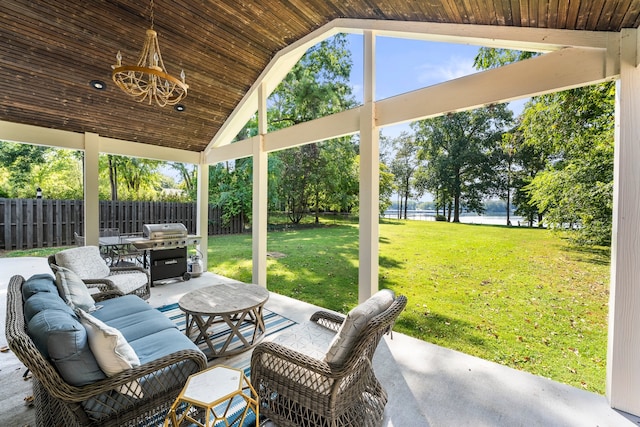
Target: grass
{"points": [[517, 296]]}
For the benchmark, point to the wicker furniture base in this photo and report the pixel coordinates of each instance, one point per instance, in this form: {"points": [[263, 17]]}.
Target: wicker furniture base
{"points": [[58, 403], [296, 390]]}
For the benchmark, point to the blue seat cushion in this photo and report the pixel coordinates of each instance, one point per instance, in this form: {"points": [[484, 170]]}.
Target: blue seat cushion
{"points": [[141, 324], [161, 344], [119, 307], [61, 338], [42, 301], [39, 283]]}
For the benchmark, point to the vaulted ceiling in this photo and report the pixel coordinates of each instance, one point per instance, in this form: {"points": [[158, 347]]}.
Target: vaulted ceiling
{"points": [[50, 50]]}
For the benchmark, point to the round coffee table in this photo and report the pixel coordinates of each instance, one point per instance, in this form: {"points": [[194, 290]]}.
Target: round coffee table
{"points": [[236, 305]]}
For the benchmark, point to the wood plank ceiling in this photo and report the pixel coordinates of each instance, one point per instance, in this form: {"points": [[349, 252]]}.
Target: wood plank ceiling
{"points": [[51, 49]]}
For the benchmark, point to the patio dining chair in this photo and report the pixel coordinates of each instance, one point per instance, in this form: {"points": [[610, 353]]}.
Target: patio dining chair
{"points": [[88, 264], [298, 389]]}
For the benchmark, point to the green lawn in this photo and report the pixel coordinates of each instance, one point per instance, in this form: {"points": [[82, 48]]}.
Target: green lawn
{"points": [[517, 296], [520, 297]]}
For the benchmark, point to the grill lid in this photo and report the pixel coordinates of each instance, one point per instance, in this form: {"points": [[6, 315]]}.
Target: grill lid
{"points": [[164, 231]]}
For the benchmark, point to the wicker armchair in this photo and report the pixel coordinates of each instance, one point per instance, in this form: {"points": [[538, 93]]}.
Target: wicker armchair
{"points": [[110, 279], [57, 403], [300, 391]]}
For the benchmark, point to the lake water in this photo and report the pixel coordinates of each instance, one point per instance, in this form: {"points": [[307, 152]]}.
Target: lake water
{"points": [[464, 218]]}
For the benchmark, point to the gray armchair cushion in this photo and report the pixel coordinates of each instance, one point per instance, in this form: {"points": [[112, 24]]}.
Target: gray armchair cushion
{"points": [[354, 324], [85, 261], [129, 281]]}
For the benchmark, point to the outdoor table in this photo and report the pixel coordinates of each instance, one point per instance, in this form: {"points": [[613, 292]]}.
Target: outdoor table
{"points": [[233, 304], [112, 246], [217, 394]]}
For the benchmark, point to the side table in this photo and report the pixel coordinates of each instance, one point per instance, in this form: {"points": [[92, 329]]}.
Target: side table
{"points": [[220, 395]]}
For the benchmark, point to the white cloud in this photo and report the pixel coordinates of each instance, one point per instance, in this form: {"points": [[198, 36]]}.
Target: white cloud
{"points": [[452, 68]]}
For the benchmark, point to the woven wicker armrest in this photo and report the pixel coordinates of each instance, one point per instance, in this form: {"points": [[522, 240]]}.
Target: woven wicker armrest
{"points": [[103, 285], [128, 269], [329, 320], [101, 296], [287, 362]]}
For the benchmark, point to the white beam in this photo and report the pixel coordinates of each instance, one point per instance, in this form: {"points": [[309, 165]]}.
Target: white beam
{"points": [[533, 39], [564, 69], [333, 126], [136, 149], [505, 37], [369, 179], [202, 207], [91, 146], [237, 150], [259, 200], [623, 369], [36, 135], [269, 79]]}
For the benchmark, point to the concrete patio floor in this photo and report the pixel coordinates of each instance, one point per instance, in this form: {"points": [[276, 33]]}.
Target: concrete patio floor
{"points": [[427, 385]]}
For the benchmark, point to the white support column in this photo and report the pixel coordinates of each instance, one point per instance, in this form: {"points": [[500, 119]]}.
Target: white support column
{"points": [[259, 205], [369, 178], [202, 207], [91, 191], [623, 369]]}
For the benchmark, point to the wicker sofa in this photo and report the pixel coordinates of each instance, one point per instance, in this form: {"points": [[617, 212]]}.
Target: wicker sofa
{"points": [[302, 382], [68, 390]]}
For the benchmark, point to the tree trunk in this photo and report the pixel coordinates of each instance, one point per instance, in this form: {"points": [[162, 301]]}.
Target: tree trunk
{"points": [[508, 207], [113, 178], [456, 199]]}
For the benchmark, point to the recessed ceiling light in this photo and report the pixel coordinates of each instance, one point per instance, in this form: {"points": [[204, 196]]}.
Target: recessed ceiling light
{"points": [[179, 107], [98, 84]]}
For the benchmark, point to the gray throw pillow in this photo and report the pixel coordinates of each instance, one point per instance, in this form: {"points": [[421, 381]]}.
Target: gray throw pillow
{"points": [[73, 290]]}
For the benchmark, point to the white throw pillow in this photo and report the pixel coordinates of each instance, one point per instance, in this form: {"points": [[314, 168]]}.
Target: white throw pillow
{"points": [[85, 261], [111, 350], [354, 324], [73, 290]]}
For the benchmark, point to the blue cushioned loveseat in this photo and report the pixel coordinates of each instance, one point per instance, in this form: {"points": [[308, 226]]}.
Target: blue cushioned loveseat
{"points": [[70, 388]]}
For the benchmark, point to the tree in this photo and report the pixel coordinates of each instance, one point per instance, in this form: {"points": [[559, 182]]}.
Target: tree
{"points": [[566, 156], [319, 174], [460, 150], [403, 167], [18, 161], [575, 190], [133, 178]]}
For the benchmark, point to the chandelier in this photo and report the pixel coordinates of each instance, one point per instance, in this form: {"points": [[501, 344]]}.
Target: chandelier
{"points": [[149, 78]]}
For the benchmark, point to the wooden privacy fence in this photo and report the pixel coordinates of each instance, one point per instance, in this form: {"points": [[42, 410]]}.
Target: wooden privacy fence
{"points": [[41, 223]]}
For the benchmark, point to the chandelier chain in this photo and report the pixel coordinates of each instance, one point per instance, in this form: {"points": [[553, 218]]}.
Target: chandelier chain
{"points": [[151, 13]]}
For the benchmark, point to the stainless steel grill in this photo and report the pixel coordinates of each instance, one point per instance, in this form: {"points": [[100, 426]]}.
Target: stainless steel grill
{"points": [[167, 248], [164, 236]]}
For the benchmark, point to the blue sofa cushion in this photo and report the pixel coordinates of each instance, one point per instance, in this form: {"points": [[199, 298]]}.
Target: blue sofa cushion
{"points": [[42, 301], [141, 324], [161, 344], [115, 308], [61, 338], [38, 283]]}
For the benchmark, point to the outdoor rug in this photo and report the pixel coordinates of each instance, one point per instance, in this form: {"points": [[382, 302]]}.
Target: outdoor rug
{"points": [[274, 322]]}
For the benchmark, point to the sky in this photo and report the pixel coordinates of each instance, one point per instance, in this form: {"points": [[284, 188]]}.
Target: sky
{"points": [[403, 65]]}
